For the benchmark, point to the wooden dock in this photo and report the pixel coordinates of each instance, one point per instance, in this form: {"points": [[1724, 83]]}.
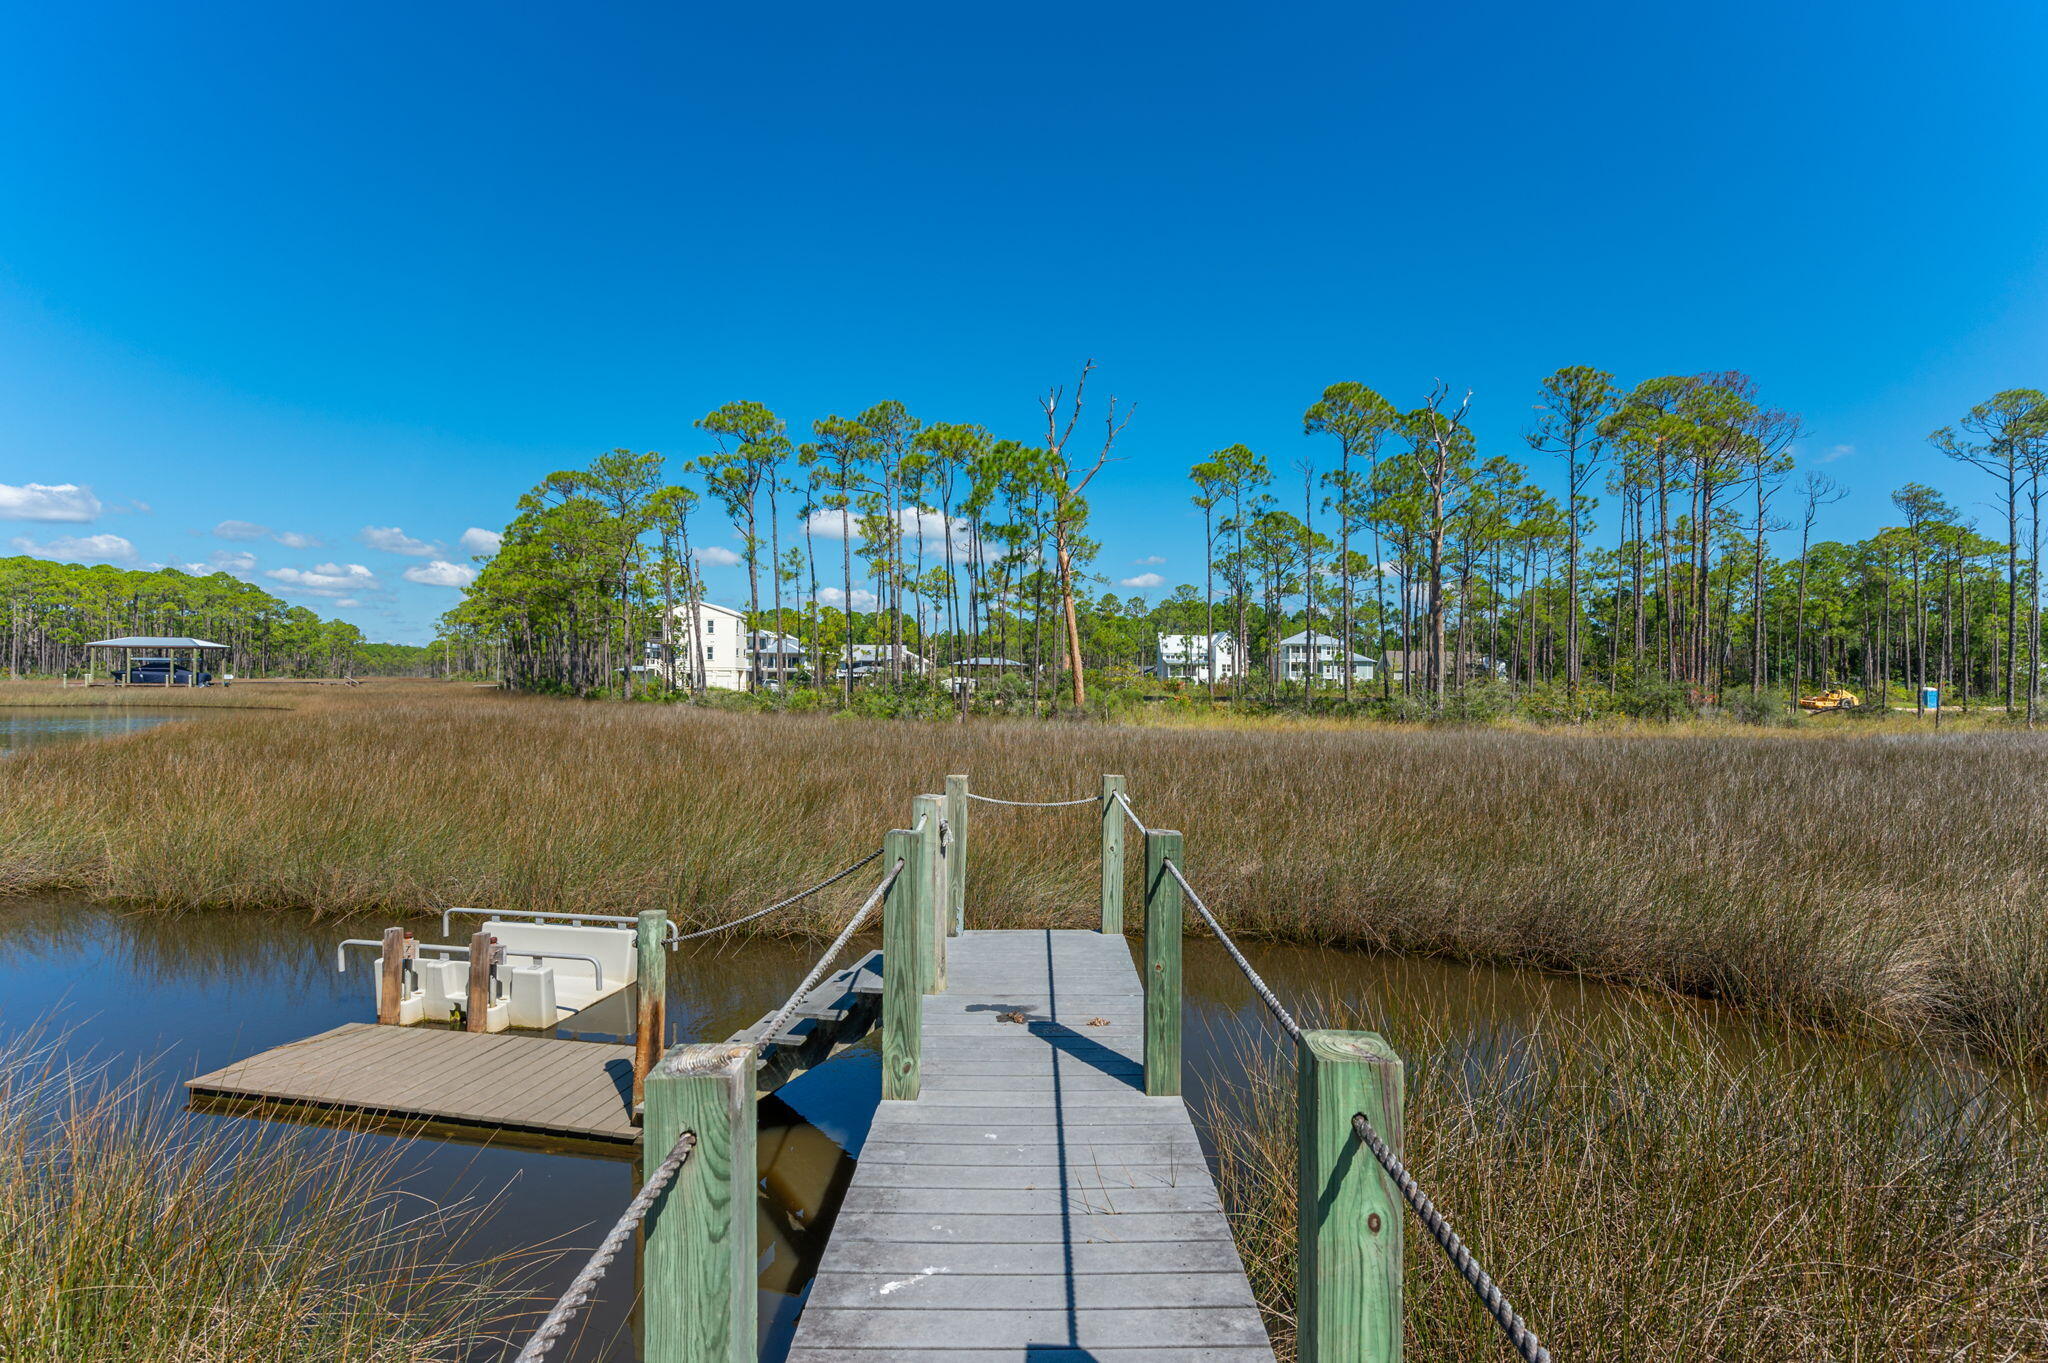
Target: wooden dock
{"points": [[1032, 1203], [522, 1084], [504, 1081]]}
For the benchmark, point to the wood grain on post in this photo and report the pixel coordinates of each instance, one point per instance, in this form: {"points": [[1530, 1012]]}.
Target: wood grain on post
{"points": [[1162, 963], [650, 1029], [1112, 856], [1349, 1271], [903, 920], [956, 855], [702, 1237], [482, 946], [938, 899], [391, 977]]}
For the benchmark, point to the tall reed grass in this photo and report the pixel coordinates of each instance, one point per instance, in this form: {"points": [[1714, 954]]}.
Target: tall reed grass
{"points": [[1646, 1186], [132, 1233], [1889, 881]]}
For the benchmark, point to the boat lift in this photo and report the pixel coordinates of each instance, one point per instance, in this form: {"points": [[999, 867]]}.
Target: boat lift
{"points": [[540, 969]]}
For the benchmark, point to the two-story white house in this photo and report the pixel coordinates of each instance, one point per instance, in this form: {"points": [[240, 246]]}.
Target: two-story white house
{"points": [[1196, 658], [1329, 661], [721, 633]]}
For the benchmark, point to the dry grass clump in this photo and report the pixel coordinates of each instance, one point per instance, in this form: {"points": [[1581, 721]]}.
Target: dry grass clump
{"points": [[1651, 1187], [134, 1234], [1893, 881]]}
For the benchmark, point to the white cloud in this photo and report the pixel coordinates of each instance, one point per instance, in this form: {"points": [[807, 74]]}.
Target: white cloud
{"points": [[863, 599], [241, 530], [717, 556], [392, 540], [47, 502], [833, 523], [292, 539], [1142, 581], [347, 602], [79, 548], [838, 523], [1838, 452], [1149, 561], [233, 560], [327, 579], [478, 540], [440, 573]]}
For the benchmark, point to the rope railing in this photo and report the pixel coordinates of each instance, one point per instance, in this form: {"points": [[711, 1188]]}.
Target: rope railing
{"points": [[577, 1296], [781, 1016], [1490, 1296], [799, 896], [1132, 815], [1033, 804], [1259, 986]]}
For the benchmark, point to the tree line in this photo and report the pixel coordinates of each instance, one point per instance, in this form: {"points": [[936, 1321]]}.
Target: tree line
{"points": [[1395, 535], [50, 611]]}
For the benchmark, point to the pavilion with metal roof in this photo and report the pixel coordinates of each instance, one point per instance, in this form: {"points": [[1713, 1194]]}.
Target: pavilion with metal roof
{"points": [[167, 646]]}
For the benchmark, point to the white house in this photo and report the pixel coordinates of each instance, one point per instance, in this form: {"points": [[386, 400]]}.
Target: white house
{"points": [[1329, 660], [777, 657], [873, 660], [1188, 657], [722, 633]]}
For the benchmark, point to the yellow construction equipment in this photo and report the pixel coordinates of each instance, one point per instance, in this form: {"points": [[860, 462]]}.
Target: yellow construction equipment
{"points": [[1834, 698]]}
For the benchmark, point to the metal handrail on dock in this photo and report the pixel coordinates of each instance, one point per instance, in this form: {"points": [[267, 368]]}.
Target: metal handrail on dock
{"points": [[450, 949]]}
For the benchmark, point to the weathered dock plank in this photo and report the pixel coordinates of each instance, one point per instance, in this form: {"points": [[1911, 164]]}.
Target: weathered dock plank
{"points": [[519, 1083], [1033, 1203]]}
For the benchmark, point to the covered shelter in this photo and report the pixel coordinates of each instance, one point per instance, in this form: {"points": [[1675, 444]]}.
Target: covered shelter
{"points": [[156, 647]]}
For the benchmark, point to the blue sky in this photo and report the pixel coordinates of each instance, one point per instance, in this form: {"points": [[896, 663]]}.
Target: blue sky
{"points": [[329, 270]]}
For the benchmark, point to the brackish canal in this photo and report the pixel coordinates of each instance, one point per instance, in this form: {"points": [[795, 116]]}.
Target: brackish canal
{"points": [[172, 996]]}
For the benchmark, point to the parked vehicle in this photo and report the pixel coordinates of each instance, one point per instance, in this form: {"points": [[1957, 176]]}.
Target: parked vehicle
{"points": [[162, 672]]}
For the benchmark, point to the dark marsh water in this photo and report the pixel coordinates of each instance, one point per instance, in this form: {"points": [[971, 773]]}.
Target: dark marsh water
{"points": [[24, 728]]}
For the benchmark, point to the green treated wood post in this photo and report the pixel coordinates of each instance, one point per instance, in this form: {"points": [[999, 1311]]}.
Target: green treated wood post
{"points": [[1162, 963], [903, 920], [956, 854], [702, 1234], [1112, 856], [650, 1029], [1349, 1273], [926, 812]]}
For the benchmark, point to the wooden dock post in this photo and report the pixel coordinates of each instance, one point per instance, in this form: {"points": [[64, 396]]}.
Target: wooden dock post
{"points": [[1349, 1272], [956, 855], [702, 1234], [650, 1029], [477, 1013], [926, 812], [904, 920], [391, 979], [1162, 963], [1112, 856]]}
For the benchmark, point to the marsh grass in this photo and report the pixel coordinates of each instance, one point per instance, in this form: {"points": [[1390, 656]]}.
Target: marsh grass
{"points": [[133, 1233], [1883, 881], [1650, 1186]]}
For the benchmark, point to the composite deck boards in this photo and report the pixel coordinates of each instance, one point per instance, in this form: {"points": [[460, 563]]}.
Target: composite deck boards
{"points": [[521, 1083], [1032, 1204]]}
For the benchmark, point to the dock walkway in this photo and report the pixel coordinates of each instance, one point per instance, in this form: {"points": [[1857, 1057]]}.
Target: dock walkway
{"points": [[1032, 1203]]}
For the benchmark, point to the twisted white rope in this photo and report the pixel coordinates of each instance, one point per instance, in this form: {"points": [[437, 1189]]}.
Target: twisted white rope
{"points": [[1033, 804], [578, 1294], [1132, 814], [781, 1015], [832, 879]]}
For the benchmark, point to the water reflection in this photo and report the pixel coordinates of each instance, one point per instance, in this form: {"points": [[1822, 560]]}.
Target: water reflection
{"points": [[24, 729]]}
